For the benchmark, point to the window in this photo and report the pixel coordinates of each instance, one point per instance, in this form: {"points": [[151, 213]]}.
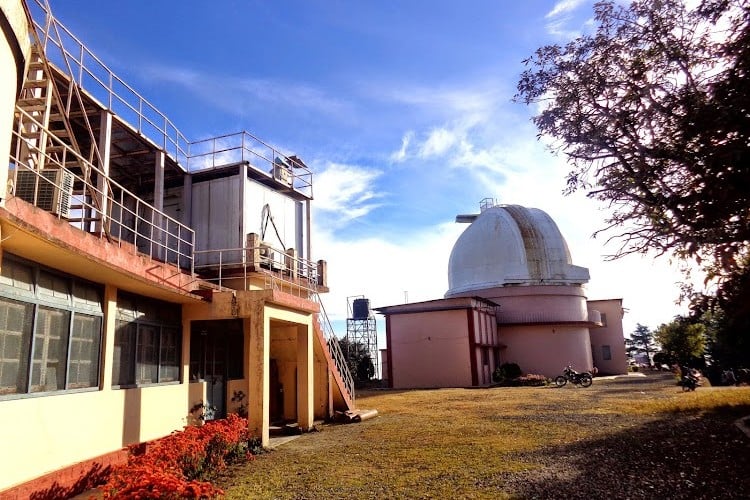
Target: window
{"points": [[604, 319], [148, 342], [49, 341], [606, 353]]}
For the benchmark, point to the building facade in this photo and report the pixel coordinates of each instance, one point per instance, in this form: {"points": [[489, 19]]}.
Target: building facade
{"points": [[146, 281], [514, 297]]}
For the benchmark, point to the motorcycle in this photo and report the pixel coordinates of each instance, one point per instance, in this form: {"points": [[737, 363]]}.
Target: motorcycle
{"points": [[690, 381], [584, 379]]}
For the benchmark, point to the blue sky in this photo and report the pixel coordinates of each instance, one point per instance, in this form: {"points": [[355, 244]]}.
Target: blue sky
{"points": [[402, 109]]}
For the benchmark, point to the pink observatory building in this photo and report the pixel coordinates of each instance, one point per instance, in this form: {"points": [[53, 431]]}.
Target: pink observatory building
{"points": [[514, 296]]}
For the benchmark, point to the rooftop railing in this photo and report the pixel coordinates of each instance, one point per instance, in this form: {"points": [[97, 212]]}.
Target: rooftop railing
{"points": [[64, 50], [233, 267], [104, 208]]}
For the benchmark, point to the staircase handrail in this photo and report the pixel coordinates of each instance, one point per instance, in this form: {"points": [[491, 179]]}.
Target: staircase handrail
{"points": [[334, 348]]}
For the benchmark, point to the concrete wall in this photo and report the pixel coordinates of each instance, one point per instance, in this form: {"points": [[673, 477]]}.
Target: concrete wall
{"points": [[14, 55], [546, 350], [430, 349], [50, 432], [609, 338]]}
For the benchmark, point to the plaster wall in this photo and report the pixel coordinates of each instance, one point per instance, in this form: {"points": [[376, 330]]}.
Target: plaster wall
{"points": [[546, 350], [540, 303], [610, 335], [48, 433], [430, 349]]}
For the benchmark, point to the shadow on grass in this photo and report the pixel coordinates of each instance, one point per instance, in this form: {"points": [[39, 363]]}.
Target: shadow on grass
{"points": [[688, 455]]}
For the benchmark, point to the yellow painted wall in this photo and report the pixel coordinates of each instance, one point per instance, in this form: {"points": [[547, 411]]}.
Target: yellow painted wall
{"points": [[50, 432]]}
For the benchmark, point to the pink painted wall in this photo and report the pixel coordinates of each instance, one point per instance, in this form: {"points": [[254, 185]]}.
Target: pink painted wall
{"points": [[546, 350], [430, 349], [609, 338]]}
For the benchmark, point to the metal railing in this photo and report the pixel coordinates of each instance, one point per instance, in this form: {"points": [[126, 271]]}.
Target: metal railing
{"points": [[231, 267], [245, 147], [105, 208], [334, 348], [64, 50]]}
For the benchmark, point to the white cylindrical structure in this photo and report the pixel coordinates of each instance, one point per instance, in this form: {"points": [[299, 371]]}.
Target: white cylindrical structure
{"points": [[15, 46]]}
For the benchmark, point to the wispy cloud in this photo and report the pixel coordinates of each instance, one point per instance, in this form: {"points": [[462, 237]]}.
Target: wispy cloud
{"points": [[400, 155], [563, 7], [438, 142], [229, 93], [345, 192], [561, 17]]}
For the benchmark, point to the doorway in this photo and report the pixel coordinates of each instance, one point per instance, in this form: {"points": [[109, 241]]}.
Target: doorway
{"points": [[216, 356]]}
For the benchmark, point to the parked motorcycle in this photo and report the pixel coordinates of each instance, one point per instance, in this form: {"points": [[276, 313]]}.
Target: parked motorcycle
{"points": [[584, 379]]}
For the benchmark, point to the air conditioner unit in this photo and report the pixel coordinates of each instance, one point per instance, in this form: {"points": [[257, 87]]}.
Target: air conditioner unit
{"points": [[268, 258], [53, 188]]}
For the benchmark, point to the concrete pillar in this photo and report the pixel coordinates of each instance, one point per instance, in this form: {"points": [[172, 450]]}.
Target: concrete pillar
{"points": [[252, 251], [305, 377], [108, 332], [15, 47], [291, 262], [322, 272], [258, 337], [102, 186]]}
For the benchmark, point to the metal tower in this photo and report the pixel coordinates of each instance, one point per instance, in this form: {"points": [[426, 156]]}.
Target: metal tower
{"points": [[361, 328]]}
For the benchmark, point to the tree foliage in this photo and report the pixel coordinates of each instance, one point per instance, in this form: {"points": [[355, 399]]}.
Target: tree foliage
{"points": [[727, 322], [652, 112], [358, 359], [683, 340], [641, 341]]}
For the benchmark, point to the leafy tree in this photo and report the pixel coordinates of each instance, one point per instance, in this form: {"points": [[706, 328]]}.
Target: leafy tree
{"points": [[358, 359], [683, 340], [641, 341], [728, 342], [652, 111]]}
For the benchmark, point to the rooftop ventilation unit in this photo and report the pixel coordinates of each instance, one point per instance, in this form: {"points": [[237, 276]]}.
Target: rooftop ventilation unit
{"points": [[53, 188]]}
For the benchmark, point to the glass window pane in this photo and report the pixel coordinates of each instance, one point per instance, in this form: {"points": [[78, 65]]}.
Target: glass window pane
{"points": [[123, 363], [170, 355], [87, 296], [53, 287], [147, 360], [83, 362], [15, 343], [16, 275], [50, 349]]}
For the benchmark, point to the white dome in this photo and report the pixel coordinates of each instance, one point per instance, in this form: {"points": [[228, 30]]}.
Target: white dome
{"points": [[511, 245]]}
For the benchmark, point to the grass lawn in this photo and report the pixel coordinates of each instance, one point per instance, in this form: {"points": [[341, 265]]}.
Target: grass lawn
{"points": [[632, 437]]}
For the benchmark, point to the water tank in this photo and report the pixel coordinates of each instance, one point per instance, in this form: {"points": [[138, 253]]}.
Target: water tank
{"points": [[361, 309]]}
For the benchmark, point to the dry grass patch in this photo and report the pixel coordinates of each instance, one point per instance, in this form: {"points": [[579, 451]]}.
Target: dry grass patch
{"points": [[523, 442]]}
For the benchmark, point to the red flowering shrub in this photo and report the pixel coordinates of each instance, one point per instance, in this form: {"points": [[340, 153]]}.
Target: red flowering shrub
{"points": [[180, 465]]}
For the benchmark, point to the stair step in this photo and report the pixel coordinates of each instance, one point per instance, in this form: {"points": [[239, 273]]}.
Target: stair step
{"points": [[30, 108], [33, 83]]}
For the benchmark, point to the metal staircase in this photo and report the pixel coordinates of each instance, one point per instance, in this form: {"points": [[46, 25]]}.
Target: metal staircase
{"points": [[337, 355]]}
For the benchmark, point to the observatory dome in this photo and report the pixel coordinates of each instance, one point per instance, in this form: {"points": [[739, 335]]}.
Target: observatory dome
{"points": [[511, 245]]}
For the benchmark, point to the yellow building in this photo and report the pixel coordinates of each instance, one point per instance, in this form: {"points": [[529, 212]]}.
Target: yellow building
{"points": [[146, 280]]}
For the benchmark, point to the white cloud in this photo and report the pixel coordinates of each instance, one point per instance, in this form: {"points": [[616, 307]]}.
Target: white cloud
{"points": [[400, 155], [438, 142], [563, 7], [345, 192]]}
